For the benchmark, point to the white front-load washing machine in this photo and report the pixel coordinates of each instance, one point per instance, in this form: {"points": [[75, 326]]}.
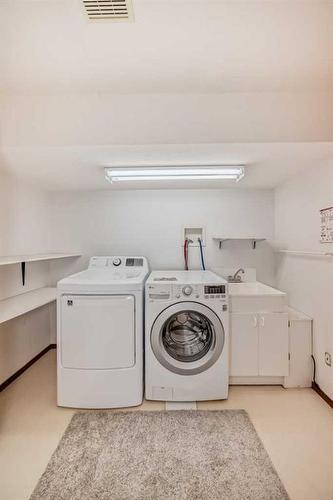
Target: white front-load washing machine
{"points": [[100, 334], [186, 336]]}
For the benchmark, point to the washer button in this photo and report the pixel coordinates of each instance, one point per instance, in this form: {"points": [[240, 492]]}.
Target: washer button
{"points": [[187, 290]]}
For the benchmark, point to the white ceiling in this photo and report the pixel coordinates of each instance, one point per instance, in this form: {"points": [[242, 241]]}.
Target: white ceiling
{"points": [[188, 80], [82, 168], [172, 46]]}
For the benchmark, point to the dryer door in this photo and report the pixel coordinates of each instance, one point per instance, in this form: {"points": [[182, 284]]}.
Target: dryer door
{"points": [[97, 332], [187, 338]]}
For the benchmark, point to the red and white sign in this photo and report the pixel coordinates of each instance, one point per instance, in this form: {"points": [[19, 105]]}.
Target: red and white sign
{"points": [[326, 225]]}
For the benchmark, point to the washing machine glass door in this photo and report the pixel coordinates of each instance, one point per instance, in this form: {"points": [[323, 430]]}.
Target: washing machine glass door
{"points": [[187, 338]]}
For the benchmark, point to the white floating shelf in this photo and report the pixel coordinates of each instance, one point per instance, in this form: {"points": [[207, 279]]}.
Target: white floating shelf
{"points": [[25, 302], [23, 259], [306, 253], [17, 259], [222, 239]]}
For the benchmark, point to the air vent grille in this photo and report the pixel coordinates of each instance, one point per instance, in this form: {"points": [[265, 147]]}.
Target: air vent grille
{"points": [[115, 10]]}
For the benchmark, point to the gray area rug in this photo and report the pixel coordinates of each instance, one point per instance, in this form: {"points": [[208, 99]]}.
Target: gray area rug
{"points": [[160, 455]]}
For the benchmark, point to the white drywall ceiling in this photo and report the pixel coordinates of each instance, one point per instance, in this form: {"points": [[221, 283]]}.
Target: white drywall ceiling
{"points": [[191, 80], [172, 46], [79, 167]]}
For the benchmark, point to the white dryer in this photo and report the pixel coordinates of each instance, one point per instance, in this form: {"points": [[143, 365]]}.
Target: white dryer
{"points": [[186, 336], [100, 334]]}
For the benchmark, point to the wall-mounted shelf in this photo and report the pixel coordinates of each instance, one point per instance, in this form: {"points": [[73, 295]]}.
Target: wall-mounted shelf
{"points": [[17, 259], [252, 239], [306, 253], [25, 302], [23, 259]]}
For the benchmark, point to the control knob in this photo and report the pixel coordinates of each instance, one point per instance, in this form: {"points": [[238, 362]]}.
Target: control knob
{"points": [[187, 290], [116, 262]]}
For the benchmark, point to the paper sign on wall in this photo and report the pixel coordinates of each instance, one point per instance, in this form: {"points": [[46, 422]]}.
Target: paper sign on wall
{"points": [[326, 225]]}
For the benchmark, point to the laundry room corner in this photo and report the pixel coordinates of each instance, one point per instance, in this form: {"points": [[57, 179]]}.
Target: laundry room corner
{"points": [[24, 226]]}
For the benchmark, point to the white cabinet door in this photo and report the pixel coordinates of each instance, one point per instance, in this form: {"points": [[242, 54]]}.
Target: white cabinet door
{"points": [[244, 345], [97, 331], [273, 344]]}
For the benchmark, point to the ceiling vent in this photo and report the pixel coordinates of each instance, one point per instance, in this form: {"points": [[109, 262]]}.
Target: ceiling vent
{"points": [[111, 10]]}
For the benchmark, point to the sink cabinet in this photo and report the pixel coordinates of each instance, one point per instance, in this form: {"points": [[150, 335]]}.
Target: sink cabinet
{"points": [[259, 344], [244, 344]]}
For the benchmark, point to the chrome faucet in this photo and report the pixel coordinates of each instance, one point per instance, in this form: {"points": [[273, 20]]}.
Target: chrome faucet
{"points": [[236, 278]]}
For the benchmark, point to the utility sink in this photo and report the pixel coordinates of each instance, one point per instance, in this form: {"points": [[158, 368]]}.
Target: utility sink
{"points": [[252, 288], [256, 296]]}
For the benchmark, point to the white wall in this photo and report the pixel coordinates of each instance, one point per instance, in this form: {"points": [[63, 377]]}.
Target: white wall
{"points": [[308, 281], [150, 223], [24, 228]]}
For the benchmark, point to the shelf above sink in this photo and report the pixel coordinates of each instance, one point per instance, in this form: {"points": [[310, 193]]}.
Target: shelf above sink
{"points": [[222, 239]]}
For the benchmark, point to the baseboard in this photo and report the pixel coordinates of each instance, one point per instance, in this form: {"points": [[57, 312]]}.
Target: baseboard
{"points": [[256, 380], [322, 394], [26, 366]]}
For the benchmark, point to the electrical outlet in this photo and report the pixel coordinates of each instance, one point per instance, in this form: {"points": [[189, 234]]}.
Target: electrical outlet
{"points": [[328, 359]]}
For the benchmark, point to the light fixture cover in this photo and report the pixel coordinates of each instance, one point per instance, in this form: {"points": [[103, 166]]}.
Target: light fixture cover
{"points": [[200, 172]]}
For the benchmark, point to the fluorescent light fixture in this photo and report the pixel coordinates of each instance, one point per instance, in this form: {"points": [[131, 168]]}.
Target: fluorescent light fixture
{"points": [[115, 174]]}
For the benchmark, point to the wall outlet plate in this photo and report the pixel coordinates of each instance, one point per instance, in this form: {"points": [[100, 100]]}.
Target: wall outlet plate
{"points": [[328, 359]]}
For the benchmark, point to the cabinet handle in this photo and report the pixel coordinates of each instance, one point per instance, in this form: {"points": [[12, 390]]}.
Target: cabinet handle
{"points": [[262, 321], [255, 321]]}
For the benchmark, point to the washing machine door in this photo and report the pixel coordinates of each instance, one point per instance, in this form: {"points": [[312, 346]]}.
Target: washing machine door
{"points": [[187, 338]]}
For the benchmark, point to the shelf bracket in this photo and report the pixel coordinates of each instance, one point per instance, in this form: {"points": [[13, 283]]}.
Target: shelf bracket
{"points": [[221, 242], [23, 272]]}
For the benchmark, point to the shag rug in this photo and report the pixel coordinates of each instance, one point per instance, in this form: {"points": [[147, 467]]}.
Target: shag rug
{"points": [[175, 455]]}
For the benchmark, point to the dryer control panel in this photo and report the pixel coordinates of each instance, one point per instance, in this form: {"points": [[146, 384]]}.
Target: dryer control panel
{"points": [[117, 261]]}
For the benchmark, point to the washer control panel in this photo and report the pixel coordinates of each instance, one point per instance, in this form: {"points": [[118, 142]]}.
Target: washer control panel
{"points": [[171, 291], [193, 292]]}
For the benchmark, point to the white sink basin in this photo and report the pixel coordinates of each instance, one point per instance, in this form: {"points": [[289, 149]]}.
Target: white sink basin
{"points": [[256, 297], [252, 288]]}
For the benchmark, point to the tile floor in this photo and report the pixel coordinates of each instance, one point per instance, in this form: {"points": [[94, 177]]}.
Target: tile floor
{"points": [[295, 425]]}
